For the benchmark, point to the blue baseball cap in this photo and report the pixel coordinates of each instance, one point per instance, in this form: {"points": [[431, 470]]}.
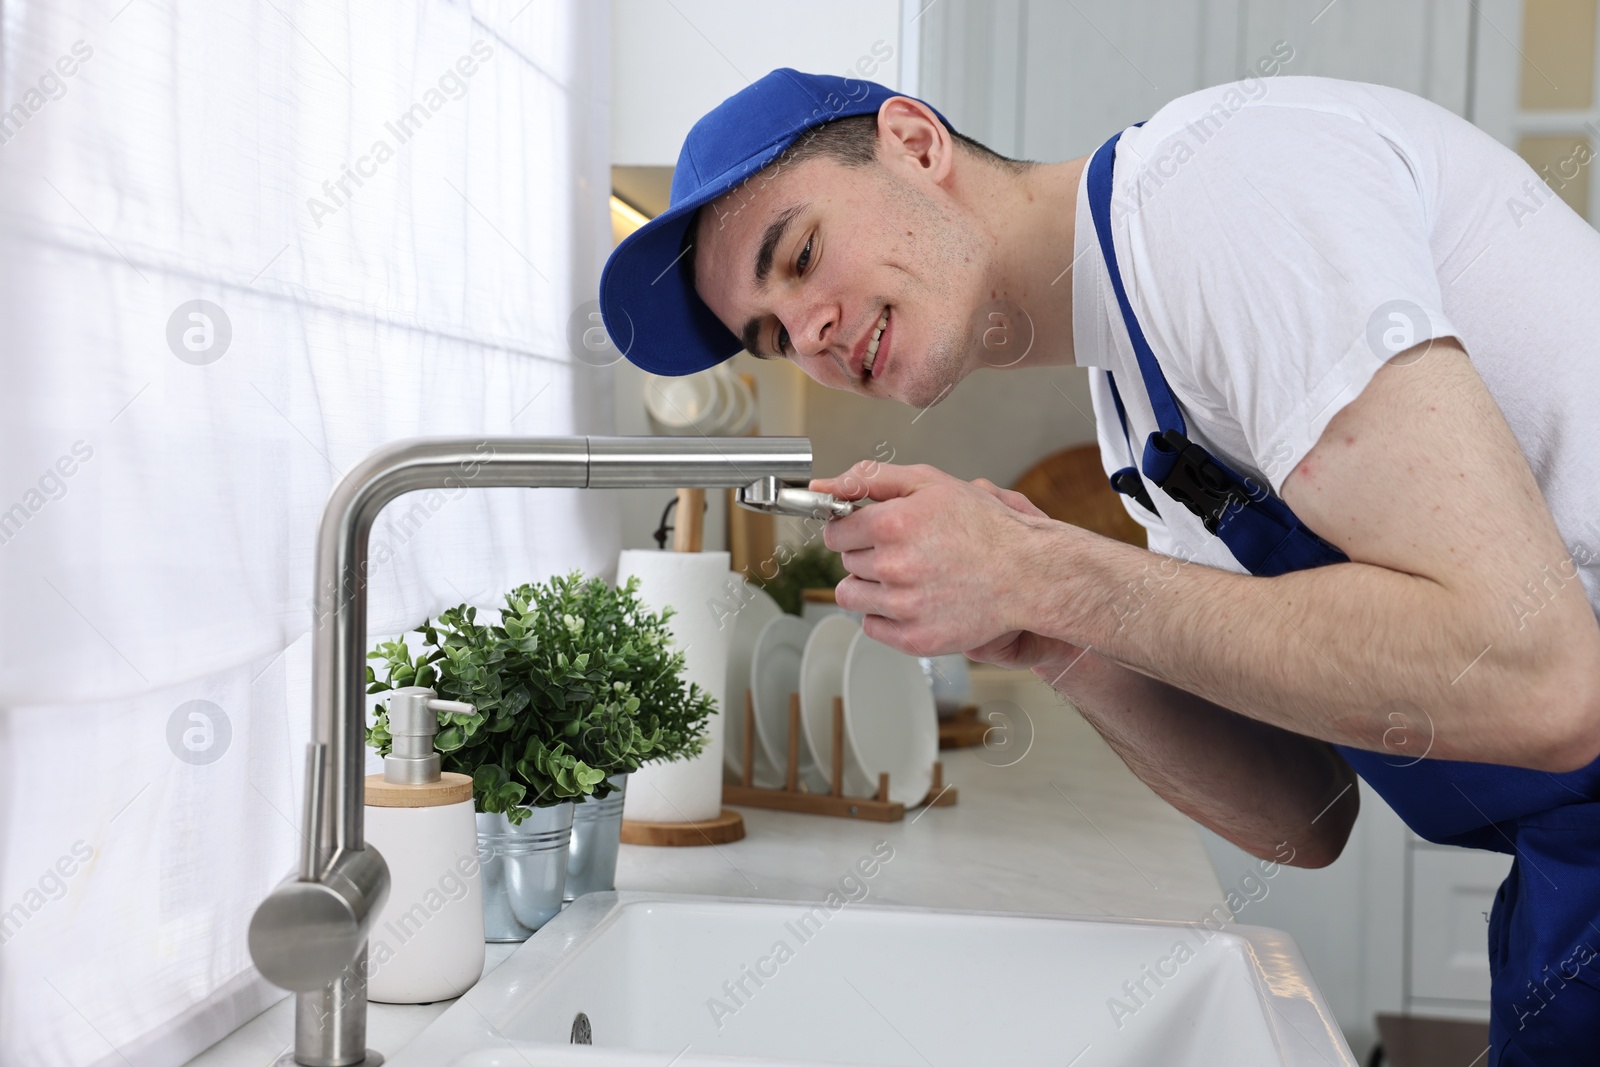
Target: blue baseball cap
{"points": [[648, 303]]}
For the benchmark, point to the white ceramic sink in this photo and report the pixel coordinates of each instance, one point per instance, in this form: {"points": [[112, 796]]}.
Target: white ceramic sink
{"points": [[658, 977]]}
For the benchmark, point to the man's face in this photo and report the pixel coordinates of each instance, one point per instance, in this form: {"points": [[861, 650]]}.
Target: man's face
{"points": [[805, 260]]}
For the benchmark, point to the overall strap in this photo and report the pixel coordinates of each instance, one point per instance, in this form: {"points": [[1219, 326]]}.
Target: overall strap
{"points": [[1260, 530], [1162, 401]]}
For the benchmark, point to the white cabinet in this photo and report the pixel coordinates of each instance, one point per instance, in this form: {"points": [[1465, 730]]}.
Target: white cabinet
{"points": [[1421, 46], [1536, 67], [1396, 925], [1049, 81], [1450, 893]]}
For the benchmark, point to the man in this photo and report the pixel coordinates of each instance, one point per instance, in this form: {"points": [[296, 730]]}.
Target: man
{"points": [[1346, 377]]}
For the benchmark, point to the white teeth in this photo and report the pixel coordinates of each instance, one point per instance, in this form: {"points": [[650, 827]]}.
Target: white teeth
{"points": [[872, 345]]}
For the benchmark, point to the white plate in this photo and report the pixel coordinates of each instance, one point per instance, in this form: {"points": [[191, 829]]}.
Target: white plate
{"points": [[679, 405], [776, 674], [822, 679], [712, 402], [758, 609], [743, 416], [889, 718]]}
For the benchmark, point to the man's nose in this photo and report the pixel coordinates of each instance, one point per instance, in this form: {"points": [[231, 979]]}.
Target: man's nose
{"points": [[818, 323]]}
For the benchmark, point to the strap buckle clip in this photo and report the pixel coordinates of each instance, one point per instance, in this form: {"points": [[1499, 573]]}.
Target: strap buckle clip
{"points": [[1197, 481], [1127, 482]]}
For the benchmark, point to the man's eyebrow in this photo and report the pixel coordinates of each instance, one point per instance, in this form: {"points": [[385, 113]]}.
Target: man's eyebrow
{"points": [[769, 243], [751, 336]]}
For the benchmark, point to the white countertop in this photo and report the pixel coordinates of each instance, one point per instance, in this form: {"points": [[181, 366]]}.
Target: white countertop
{"points": [[1066, 829]]}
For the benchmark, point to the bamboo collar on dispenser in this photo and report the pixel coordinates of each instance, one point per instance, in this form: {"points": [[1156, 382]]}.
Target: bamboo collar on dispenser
{"points": [[411, 776]]}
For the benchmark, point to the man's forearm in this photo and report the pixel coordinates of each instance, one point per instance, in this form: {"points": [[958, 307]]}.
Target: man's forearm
{"points": [[1349, 653], [1277, 795]]}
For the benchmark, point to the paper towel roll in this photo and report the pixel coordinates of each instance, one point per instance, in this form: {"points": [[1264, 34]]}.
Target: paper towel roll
{"points": [[692, 583]]}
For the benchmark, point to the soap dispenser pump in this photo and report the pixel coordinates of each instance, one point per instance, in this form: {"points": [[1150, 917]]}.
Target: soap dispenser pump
{"points": [[427, 943]]}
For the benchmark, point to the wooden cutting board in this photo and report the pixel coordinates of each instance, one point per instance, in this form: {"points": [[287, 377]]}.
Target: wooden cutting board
{"points": [[1071, 486]]}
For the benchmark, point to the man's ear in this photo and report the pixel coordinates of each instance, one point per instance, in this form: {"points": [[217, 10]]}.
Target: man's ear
{"points": [[910, 134]]}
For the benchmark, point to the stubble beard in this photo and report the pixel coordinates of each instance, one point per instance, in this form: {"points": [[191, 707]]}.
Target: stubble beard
{"points": [[940, 371], [945, 360]]}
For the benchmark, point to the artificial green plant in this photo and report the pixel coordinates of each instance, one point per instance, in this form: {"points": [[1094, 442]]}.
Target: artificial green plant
{"points": [[577, 681]]}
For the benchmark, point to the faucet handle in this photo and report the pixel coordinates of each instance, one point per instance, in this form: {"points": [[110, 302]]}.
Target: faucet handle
{"points": [[413, 721]]}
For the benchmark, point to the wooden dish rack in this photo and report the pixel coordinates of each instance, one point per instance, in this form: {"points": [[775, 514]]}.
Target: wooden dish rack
{"points": [[791, 797]]}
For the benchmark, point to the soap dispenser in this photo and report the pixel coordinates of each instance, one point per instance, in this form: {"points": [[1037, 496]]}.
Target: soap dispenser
{"points": [[427, 943]]}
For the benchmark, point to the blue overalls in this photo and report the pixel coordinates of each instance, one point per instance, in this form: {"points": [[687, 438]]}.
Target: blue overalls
{"points": [[1544, 929]]}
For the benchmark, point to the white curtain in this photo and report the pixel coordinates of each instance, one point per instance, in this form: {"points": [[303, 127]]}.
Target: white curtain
{"points": [[242, 243]]}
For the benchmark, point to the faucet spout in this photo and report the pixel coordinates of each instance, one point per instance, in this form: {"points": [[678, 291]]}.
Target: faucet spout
{"points": [[310, 934]]}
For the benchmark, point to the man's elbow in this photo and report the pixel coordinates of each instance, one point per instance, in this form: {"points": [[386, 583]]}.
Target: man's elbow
{"points": [[1570, 703], [1311, 851], [1332, 834], [1324, 839]]}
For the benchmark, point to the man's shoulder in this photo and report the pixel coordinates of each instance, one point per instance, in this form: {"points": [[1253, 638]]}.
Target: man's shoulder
{"points": [[1303, 134], [1278, 101]]}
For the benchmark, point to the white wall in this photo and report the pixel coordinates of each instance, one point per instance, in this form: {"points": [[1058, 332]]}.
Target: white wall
{"points": [[673, 62], [995, 425]]}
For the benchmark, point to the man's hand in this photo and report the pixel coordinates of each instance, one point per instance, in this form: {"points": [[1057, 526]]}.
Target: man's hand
{"points": [[1026, 650], [939, 565]]}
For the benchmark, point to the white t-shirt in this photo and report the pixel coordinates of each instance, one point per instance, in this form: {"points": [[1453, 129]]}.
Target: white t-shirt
{"points": [[1280, 239]]}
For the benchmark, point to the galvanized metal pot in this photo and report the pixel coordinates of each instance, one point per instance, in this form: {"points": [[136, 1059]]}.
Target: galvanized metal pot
{"points": [[596, 834], [524, 870]]}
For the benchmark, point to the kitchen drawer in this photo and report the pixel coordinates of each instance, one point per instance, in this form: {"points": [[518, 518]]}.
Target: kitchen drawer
{"points": [[1452, 890]]}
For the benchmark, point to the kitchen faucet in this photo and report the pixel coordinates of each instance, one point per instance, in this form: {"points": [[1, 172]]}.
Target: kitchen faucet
{"points": [[310, 934]]}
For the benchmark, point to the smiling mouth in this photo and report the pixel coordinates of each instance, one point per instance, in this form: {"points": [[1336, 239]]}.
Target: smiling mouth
{"points": [[872, 345]]}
